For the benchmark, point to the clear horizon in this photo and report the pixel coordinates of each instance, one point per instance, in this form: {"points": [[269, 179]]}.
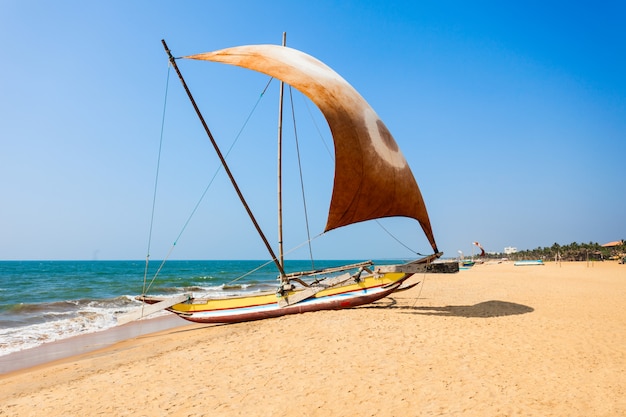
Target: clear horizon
{"points": [[512, 117]]}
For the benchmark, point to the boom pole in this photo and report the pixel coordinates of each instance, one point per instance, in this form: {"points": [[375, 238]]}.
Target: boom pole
{"points": [[223, 161]]}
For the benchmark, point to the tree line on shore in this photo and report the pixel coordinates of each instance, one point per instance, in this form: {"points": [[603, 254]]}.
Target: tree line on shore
{"points": [[572, 252]]}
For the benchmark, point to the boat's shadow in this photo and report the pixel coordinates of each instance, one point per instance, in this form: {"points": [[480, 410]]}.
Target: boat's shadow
{"points": [[492, 308]]}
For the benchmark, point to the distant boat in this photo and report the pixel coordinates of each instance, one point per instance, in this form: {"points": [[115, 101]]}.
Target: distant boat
{"points": [[529, 263], [465, 263], [372, 181], [482, 250]]}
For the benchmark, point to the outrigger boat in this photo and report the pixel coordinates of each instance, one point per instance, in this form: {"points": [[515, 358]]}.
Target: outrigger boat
{"points": [[372, 180]]}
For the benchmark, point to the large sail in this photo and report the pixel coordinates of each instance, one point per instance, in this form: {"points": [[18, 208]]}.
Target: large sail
{"points": [[372, 177]]}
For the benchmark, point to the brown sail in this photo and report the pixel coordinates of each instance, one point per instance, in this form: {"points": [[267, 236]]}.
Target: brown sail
{"points": [[372, 177]]}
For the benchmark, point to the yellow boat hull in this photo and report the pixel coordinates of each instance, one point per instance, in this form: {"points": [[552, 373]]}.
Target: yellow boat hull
{"points": [[261, 306]]}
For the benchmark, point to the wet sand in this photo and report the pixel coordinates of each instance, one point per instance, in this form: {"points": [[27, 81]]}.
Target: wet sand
{"points": [[495, 340], [78, 345]]}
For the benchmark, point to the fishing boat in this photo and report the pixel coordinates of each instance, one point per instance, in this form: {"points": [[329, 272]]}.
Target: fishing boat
{"points": [[372, 180]]}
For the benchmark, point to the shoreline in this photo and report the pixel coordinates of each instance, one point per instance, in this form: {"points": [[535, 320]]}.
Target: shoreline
{"points": [[75, 346]]}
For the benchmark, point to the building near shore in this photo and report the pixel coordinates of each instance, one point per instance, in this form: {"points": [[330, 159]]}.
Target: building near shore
{"points": [[509, 250]]}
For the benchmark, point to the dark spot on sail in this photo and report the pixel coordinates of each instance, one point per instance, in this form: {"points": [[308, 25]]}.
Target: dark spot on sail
{"points": [[386, 137]]}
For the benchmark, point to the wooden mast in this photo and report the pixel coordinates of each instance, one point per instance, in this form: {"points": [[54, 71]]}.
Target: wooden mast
{"points": [[281, 259], [223, 161]]}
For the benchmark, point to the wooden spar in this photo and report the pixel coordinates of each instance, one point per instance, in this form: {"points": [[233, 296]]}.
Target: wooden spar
{"points": [[223, 161], [146, 310], [281, 256], [311, 291], [330, 270]]}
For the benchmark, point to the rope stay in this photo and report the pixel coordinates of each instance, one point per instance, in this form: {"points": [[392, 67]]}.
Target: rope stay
{"points": [[396, 239], [220, 167], [306, 215], [156, 182], [146, 285]]}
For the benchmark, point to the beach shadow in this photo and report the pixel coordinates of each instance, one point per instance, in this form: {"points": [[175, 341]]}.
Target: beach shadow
{"points": [[493, 308]]}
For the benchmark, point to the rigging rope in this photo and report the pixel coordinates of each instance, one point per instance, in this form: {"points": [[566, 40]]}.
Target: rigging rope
{"points": [[308, 241], [195, 209], [396, 239], [156, 181], [219, 167], [420, 293], [319, 132], [306, 216]]}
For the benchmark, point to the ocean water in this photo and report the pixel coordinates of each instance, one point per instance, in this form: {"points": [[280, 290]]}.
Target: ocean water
{"points": [[45, 301]]}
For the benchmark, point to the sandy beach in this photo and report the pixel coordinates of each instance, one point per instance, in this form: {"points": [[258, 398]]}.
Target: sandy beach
{"points": [[495, 340]]}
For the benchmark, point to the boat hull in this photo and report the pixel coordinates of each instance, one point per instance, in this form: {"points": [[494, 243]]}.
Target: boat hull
{"points": [[529, 263], [265, 306]]}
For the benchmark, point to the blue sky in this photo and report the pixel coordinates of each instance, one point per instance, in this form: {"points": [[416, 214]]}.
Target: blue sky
{"points": [[512, 116]]}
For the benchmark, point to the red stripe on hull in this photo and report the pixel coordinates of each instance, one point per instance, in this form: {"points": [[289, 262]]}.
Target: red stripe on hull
{"points": [[294, 309]]}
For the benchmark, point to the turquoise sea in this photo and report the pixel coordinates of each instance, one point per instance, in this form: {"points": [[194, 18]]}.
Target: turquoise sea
{"points": [[44, 301]]}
